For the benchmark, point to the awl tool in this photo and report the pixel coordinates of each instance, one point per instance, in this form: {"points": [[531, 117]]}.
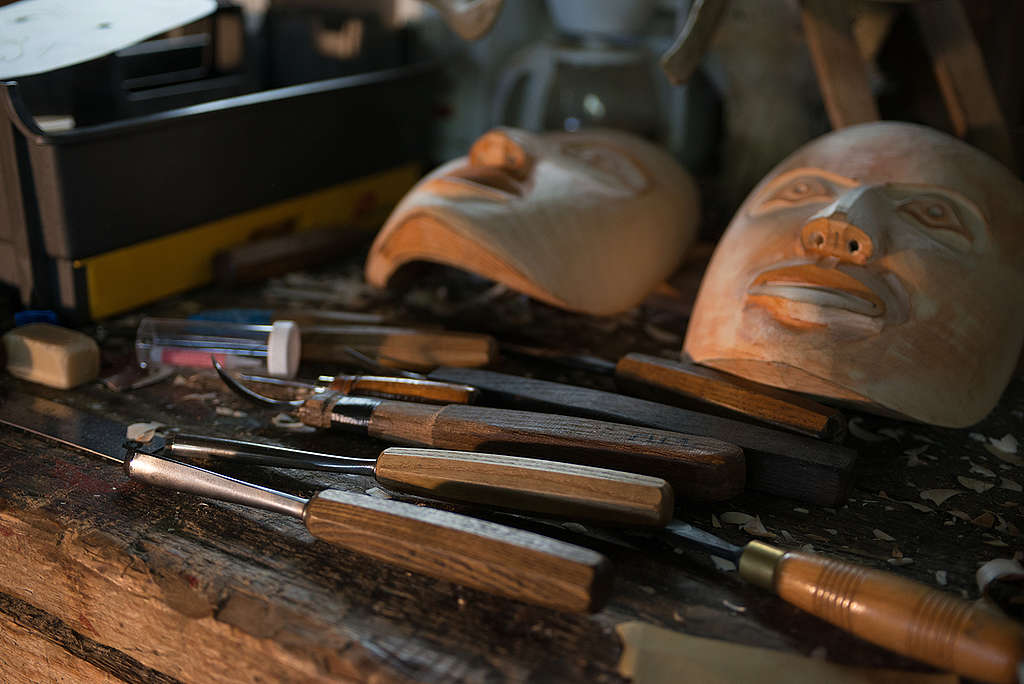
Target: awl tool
{"points": [[893, 612], [488, 556], [778, 462], [697, 468], [523, 484], [707, 388]]}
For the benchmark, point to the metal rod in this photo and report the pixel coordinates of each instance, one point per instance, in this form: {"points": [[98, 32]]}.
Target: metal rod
{"points": [[244, 391], [254, 453], [163, 472]]}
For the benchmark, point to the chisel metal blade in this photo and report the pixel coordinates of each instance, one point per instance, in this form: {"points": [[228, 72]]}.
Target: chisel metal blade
{"points": [[83, 431]]}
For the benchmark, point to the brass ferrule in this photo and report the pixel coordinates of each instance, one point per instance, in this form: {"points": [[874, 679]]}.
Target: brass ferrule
{"points": [[758, 562]]}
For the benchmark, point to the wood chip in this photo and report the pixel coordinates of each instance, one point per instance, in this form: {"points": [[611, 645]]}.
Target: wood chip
{"points": [[142, 432], [879, 534], [1007, 483], [195, 396], [976, 485], [756, 528], [855, 428], [723, 565], [978, 437], [995, 542], [1007, 527], [981, 470], [801, 510], [734, 607], [986, 520], [714, 521], [787, 536], [283, 420], [234, 413], [899, 561], [941, 577], [1006, 457], [736, 518], [1007, 443], [893, 433], [939, 496]]}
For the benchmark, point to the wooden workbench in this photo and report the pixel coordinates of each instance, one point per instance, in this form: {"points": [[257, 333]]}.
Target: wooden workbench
{"points": [[103, 579]]}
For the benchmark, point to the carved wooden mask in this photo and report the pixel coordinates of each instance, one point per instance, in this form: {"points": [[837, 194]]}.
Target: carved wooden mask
{"points": [[880, 264], [587, 221]]}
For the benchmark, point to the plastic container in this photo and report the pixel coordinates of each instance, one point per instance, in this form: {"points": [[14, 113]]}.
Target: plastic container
{"points": [[262, 349]]}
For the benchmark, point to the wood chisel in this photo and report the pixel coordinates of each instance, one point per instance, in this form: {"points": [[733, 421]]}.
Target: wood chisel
{"points": [[698, 468], [381, 386], [778, 462], [494, 558], [893, 612], [707, 388], [523, 484]]}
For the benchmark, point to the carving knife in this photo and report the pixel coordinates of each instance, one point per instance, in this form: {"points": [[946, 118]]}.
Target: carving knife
{"points": [[706, 387], [697, 468], [778, 462], [893, 612], [494, 558]]}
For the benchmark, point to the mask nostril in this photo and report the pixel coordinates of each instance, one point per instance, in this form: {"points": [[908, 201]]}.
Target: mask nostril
{"points": [[854, 246], [818, 239]]}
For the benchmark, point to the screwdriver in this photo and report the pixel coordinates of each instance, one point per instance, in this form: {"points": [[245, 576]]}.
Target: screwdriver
{"points": [[524, 484], [896, 613], [494, 558], [697, 468], [383, 386]]}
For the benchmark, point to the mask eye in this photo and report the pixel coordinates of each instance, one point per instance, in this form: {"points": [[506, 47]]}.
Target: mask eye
{"points": [[608, 162], [799, 191], [937, 213]]}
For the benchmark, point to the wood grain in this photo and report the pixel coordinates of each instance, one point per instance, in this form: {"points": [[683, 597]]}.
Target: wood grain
{"points": [[963, 79], [412, 389], [398, 347], [842, 74], [735, 394], [477, 553], [697, 468], [904, 616], [778, 462], [527, 484]]}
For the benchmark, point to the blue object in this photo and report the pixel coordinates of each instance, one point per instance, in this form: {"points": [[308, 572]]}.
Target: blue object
{"points": [[250, 316], [35, 316]]}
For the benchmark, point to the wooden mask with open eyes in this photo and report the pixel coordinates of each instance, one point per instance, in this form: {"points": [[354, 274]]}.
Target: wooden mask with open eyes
{"points": [[881, 265]]}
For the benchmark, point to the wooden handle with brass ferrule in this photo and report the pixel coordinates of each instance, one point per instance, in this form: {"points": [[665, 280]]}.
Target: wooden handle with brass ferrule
{"points": [[731, 393], [398, 347], [528, 484], [477, 553], [895, 613], [405, 389]]}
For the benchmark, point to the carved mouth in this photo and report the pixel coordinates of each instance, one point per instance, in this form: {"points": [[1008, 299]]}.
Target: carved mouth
{"points": [[824, 287]]}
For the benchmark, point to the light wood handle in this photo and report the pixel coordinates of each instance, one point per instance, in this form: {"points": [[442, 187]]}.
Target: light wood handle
{"points": [[737, 395], [411, 389], [697, 468], [904, 616], [477, 553], [399, 347], [528, 484]]}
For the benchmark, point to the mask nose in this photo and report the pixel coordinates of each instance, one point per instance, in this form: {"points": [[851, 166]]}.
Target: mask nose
{"points": [[834, 236]]}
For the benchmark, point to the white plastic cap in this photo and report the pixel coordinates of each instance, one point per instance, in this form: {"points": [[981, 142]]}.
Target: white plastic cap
{"points": [[284, 348]]}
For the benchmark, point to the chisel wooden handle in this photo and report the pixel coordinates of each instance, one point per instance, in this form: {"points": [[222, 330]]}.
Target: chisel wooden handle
{"points": [[411, 389], [495, 558], [398, 347], [528, 484], [893, 612], [697, 468], [731, 393]]}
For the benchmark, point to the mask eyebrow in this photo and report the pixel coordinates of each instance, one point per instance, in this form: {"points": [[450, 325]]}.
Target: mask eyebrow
{"points": [[971, 216], [764, 200]]}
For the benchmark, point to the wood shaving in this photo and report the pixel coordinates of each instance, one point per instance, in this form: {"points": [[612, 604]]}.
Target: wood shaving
{"points": [[986, 520], [941, 577], [756, 528], [981, 470], [195, 396], [234, 413], [879, 534], [1007, 443], [855, 428], [142, 432], [913, 504], [817, 537], [808, 548], [928, 440], [1007, 527], [917, 451], [283, 420], [1007, 483], [736, 518], [179, 380], [723, 565], [995, 542], [1005, 456], [899, 561], [976, 485], [787, 536], [734, 607], [832, 531], [714, 521], [956, 513], [894, 433], [939, 496], [801, 510]]}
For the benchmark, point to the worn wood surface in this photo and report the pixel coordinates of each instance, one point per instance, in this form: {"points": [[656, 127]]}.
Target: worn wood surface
{"points": [[148, 585]]}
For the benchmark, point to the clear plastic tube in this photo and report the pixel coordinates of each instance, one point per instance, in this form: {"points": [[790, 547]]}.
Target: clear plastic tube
{"points": [[268, 349]]}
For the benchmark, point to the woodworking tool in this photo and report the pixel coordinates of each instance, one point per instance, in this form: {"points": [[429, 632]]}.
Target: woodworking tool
{"points": [[778, 462], [381, 386], [707, 387], [524, 484], [893, 612], [697, 468], [494, 558], [488, 556], [407, 347]]}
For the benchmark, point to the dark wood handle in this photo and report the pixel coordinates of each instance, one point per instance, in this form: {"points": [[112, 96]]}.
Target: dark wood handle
{"points": [[904, 616], [477, 553], [399, 347], [528, 484], [697, 468], [410, 389], [715, 388]]}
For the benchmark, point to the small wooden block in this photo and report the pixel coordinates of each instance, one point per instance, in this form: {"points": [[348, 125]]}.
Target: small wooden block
{"points": [[754, 400], [51, 355]]}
